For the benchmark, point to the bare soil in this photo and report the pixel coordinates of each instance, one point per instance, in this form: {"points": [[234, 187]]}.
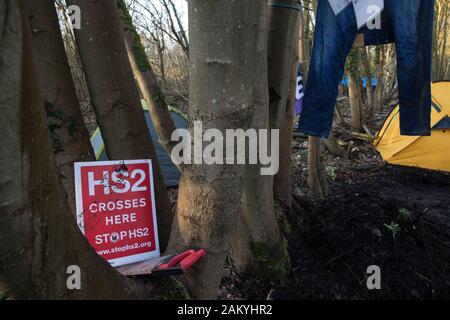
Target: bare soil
{"points": [[335, 240]]}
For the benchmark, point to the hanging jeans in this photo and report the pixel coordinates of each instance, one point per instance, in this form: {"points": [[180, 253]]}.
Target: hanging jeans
{"points": [[379, 36], [412, 23]]}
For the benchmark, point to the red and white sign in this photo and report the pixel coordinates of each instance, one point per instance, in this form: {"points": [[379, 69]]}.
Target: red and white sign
{"points": [[116, 209]]}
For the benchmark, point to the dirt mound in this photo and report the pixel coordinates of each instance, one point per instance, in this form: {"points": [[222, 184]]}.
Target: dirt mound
{"points": [[393, 217]]}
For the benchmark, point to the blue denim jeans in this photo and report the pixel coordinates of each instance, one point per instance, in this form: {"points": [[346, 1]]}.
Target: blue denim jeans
{"points": [[380, 36], [412, 23]]}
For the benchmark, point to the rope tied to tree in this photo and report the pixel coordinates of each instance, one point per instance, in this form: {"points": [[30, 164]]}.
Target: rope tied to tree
{"points": [[296, 7]]}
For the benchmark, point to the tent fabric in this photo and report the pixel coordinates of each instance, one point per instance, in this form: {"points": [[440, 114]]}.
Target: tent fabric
{"points": [[443, 124], [374, 82], [170, 172], [430, 152]]}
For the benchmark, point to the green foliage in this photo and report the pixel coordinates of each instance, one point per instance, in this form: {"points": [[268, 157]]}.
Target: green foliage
{"points": [[53, 112], [352, 64], [365, 62], [158, 98], [55, 119], [72, 128], [331, 172], [405, 214], [394, 228]]}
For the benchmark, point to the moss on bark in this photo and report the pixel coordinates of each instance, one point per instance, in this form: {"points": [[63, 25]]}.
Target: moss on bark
{"points": [[138, 49], [273, 263]]}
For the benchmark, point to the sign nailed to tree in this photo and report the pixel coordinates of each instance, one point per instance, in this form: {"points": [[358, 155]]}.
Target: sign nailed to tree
{"points": [[116, 209]]}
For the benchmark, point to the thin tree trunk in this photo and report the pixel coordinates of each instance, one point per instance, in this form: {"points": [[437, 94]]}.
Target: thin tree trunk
{"points": [[147, 81], [354, 91], [73, 58], [282, 180], [302, 44], [39, 237], [367, 73], [282, 42], [222, 76], [69, 134], [162, 65], [355, 103], [370, 92], [381, 61], [115, 96], [317, 180]]}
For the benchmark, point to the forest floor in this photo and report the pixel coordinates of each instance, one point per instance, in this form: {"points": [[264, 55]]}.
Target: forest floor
{"points": [[335, 240]]}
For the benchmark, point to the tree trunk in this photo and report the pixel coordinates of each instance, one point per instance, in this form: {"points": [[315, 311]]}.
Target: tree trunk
{"points": [[368, 74], [355, 106], [303, 57], [332, 146], [317, 179], [223, 72], [282, 180], [115, 96], [39, 237], [73, 57], [257, 245], [370, 92], [283, 32], [68, 132], [354, 90], [147, 81], [161, 47], [378, 94]]}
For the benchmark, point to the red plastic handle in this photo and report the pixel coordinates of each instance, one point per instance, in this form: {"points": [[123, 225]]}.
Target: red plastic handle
{"points": [[176, 260], [192, 259]]}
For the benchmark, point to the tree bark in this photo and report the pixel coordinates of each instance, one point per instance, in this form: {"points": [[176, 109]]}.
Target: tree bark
{"points": [[257, 246], [69, 134], [39, 237], [115, 96], [147, 81], [368, 74], [332, 146], [283, 179], [283, 32], [317, 179], [302, 44], [73, 57], [354, 91], [223, 40], [379, 89], [355, 106]]}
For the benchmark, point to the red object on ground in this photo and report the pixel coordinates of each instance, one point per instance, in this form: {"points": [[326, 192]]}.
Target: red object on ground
{"points": [[164, 266]]}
